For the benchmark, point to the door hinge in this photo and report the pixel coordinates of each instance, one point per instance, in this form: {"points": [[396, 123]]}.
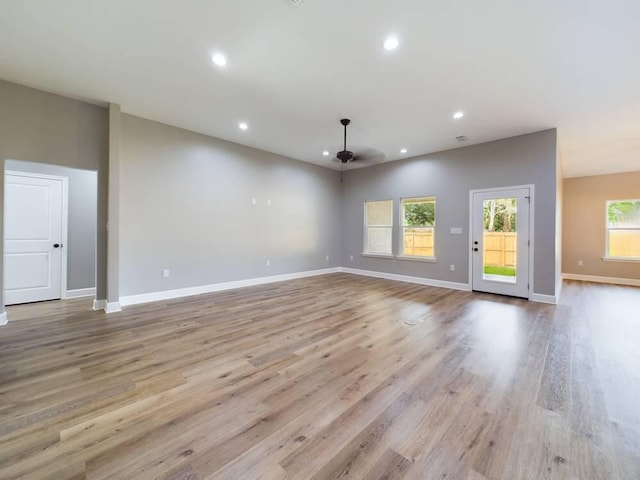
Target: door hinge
{"points": [[528, 243], [527, 286], [528, 198]]}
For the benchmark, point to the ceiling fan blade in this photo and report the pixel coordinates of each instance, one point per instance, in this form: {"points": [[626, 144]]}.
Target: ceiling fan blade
{"points": [[368, 156]]}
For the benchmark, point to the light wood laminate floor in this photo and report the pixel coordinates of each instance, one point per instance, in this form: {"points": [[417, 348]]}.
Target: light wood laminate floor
{"points": [[337, 376]]}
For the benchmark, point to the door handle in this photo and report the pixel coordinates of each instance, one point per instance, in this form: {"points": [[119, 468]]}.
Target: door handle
{"points": [[57, 245], [475, 249]]}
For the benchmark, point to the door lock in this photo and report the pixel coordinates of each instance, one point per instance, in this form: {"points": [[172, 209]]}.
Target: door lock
{"points": [[57, 245]]}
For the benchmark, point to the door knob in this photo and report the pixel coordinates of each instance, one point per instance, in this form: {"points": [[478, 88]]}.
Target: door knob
{"points": [[475, 249], [57, 245]]}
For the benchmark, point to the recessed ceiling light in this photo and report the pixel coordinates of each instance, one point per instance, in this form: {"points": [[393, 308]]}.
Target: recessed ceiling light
{"points": [[458, 115], [243, 125], [219, 59], [404, 150], [391, 43], [325, 153]]}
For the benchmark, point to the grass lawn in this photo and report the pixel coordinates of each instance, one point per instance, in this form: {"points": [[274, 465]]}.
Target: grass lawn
{"points": [[504, 271]]}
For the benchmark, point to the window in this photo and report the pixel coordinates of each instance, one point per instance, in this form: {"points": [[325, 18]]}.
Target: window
{"points": [[623, 229], [378, 226], [418, 222]]}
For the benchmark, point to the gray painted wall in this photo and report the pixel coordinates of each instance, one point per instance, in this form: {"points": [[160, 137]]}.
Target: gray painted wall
{"points": [[45, 128], [449, 175], [83, 206], [185, 198], [186, 206], [113, 210]]}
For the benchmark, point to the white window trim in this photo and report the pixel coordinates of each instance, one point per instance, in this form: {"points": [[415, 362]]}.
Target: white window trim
{"points": [[377, 255], [607, 257], [418, 258], [622, 259]]}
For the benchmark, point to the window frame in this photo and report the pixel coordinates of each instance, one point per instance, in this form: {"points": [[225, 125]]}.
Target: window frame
{"points": [[420, 258], [366, 227], [608, 229]]}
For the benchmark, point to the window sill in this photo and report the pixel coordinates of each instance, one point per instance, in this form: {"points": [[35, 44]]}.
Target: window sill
{"points": [[377, 255], [621, 259], [417, 259]]}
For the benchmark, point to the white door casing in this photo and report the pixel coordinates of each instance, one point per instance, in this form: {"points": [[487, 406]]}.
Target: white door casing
{"points": [[518, 286], [34, 222]]}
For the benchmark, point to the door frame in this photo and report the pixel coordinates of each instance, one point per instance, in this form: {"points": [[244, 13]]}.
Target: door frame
{"points": [[532, 204], [65, 220]]}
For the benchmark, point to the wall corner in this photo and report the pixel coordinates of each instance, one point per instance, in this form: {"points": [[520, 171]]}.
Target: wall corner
{"points": [[113, 216]]}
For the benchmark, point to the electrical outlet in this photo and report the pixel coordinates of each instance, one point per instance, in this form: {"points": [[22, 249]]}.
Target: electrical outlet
{"points": [[351, 258], [327, 258], [165, 273], [254, 201], [268, 203], [268, 263], [580, 263], [452, 268]]}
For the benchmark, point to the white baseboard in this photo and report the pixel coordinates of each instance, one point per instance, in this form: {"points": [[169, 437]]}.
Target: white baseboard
{"points": [[218, 287], [634, 282], [409, 279], [99, 304], [536, 297], [112, 307], [81, 292], [3, 318], [541, 298], [108, 307]]}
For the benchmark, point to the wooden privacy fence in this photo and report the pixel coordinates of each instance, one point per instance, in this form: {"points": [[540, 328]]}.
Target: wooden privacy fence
{"points": [[624, 243], [500, 249], [418, 242]]}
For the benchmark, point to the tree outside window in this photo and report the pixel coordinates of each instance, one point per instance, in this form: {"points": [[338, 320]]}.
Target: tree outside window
{"points": [[500, 215]]}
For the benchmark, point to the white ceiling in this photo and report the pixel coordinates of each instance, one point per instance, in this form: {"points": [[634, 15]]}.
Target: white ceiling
{"points": [[513, 67]]}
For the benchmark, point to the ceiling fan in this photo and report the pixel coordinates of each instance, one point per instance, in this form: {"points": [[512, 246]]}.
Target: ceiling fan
{"points": [[366, 156]]}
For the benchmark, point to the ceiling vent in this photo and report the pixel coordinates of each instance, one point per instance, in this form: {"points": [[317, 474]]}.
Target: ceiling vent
{"points": [[462, 138], [296, 3]]}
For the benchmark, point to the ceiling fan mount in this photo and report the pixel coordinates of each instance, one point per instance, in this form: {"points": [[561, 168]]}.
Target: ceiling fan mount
{"points": [[345, 155]]}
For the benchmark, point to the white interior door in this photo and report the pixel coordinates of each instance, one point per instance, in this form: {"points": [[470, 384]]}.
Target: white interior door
{"points": [[33, 229], [500, 241]]}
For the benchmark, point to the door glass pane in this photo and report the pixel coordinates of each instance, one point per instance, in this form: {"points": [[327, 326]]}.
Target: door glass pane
{"points": [[500, 240]]}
